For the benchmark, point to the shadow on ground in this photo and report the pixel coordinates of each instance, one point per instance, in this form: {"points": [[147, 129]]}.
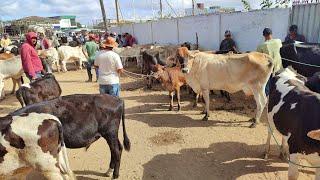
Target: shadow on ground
{"points": [[225, 160]]}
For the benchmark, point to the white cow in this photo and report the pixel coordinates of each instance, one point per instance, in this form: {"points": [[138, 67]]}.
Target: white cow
{"points": [[71, 54], [51, 54], [33, 142], [232, 73], [11, 68]]}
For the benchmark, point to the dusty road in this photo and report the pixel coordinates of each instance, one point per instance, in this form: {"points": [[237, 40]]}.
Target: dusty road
{"points": [[175, 145]]}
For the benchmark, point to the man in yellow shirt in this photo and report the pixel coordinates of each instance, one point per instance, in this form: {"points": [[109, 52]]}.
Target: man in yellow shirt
{"points": [[271, 47], [5, 41]]}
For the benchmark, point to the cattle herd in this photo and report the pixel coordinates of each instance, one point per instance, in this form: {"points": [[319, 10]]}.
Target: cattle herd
{"points": [[36, 136]]}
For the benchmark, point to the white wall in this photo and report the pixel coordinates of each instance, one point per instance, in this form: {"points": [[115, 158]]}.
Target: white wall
{"points": [[246, 28], [143, 33], [165, 31], [207, 28]]}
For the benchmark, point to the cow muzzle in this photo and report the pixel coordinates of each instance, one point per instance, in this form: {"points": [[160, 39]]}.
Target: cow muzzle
{"points": [[185, 70]]}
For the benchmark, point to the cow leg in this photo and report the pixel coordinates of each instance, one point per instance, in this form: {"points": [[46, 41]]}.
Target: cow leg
{"points": [[293, 171], [178, 97], [206, 96], [267, 152], [14, 82], [171, 101], [261, 101], [284, 151], [2, 94], [317, 175], [53, 175], [64, 66], [195, 104], [116, 150]]}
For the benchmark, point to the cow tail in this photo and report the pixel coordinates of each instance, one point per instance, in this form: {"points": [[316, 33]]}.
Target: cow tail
{"points": [[126, 141], [19, 96]]}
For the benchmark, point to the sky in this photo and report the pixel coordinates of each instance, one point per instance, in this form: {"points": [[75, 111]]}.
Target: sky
{"points": [[88, 11]]}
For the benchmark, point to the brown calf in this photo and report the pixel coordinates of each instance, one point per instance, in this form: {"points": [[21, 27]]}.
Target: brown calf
{"points": [[171, 79], [5, 56]]}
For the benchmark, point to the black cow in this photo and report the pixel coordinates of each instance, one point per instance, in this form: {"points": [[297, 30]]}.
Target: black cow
{"points": [[85, 118], [304, 53], [293, 110], [313, 82], [45, 88]]}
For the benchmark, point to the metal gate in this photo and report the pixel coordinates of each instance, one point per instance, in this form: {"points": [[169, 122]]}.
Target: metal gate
{"points": [[307, 18]]}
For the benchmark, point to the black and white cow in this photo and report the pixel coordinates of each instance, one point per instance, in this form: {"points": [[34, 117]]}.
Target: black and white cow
{"points": [[33, 142], [313, 82], [293, 110], [85, 118]]}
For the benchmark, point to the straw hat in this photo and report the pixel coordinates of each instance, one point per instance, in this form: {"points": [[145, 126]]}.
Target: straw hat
{"points": [[109, 42]]}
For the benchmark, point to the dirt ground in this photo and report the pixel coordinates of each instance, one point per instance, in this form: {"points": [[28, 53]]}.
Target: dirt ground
{"points": [[175, 145]]}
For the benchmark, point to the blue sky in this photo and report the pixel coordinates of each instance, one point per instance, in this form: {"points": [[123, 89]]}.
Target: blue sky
{"points": [[89, 10]]}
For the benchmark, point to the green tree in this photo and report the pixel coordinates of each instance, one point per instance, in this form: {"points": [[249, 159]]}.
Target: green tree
{"points": [[246, 5], [266, 4]]}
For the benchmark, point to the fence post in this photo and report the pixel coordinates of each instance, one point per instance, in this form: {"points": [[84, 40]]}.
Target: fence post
{"points": [[178, 31]]}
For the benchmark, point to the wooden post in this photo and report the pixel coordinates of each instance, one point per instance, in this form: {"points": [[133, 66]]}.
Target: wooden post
{"points": [[103, 15], [161, 15], [192, 7], [117, 10]]}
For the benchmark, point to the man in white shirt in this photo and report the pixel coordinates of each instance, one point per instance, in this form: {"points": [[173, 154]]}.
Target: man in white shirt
{"points": [[110, 67]]}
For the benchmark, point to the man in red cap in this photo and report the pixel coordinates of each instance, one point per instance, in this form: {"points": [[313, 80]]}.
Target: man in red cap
{"points": [[31, 62]]}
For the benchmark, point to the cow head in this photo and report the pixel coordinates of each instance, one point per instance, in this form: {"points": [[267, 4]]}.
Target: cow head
{"points": [[157, 70], [185, 58]]}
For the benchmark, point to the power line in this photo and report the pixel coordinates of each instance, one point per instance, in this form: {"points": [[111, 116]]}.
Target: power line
{"points": [[172, 8]]}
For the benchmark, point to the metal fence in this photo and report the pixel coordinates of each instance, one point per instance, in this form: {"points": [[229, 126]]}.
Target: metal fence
{"points": [[307, 18]]}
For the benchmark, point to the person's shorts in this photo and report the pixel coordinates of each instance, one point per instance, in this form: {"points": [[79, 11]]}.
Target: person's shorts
{"points": [[111, 89]]}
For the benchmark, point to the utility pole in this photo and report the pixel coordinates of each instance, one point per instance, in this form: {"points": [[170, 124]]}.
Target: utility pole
{"points": [[117, 10], [161, 15], [103, 15], [192, 7]]}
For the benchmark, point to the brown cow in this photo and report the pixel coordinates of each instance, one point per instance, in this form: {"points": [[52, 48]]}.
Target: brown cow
{"points": [[5, 56], [171, 79]]}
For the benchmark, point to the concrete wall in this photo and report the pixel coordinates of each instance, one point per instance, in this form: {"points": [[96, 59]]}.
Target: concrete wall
{"points": [[246, 27]]}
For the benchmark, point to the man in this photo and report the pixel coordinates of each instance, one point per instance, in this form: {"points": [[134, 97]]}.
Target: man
{"points": [[294, 36], [110, 68], [228, 43], [31, 63], [130, 40], [90, 50], [271, 47], [44, 42], [5, 41]]}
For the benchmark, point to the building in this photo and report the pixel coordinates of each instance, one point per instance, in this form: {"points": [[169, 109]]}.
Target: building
{"points": [[200, 9], [64, 22]]}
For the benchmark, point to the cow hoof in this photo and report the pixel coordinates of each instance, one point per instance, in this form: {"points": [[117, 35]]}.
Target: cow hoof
{"points": [[115, 176], [266, 156], [253, 120], [283, 157], [108, 173], [195, 105], [205, 119], [170, 109], [253, 125], [203, 112]]}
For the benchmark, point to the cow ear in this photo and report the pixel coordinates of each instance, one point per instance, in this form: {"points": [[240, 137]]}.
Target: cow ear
{"points": [[315, 134]]}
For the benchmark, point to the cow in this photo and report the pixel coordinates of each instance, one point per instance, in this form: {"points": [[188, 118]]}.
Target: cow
{"points": [[43, 89], [10, 49], [129, 52], [232, 72], [52, 57], [313, 82], [301, 53], [11, 68], [293, 111], [6, 56], [85, 118], [71, 54], [33, 142], [171, 79]]}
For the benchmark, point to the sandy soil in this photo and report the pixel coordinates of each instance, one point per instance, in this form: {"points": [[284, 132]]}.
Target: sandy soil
{"points": [[175, 145]]}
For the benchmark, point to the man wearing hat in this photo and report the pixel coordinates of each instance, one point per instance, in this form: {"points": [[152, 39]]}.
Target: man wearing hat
{"points": [[90, 50], [228, 44], [271, 47], [110, 67], [294, 36]]}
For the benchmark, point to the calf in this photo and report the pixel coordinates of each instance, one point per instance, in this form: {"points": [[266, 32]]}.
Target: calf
{"points": [[43, 89], [85, 118], [293, 110], [33, 142], [172, 79], [11, 68]]}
